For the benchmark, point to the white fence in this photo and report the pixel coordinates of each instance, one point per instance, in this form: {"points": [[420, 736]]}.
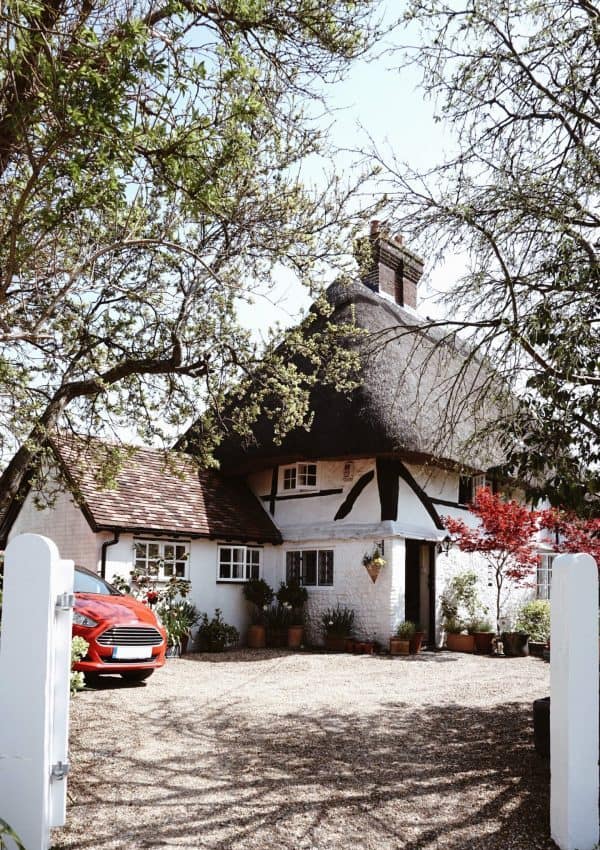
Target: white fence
{"points": [[574, 703], [35, 662]]}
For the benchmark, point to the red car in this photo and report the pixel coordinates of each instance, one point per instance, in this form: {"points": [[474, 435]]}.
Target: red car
{"points": [[124, 636]]}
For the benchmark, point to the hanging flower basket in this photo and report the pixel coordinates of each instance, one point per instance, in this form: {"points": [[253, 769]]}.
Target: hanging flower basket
{"points": [[374, 563]]}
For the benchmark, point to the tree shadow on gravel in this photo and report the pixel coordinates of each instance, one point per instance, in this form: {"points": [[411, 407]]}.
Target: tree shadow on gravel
{"points": [[435, 778]]}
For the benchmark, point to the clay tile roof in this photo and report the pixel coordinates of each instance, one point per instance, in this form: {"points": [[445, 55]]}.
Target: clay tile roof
{"points": [[156, 491]]}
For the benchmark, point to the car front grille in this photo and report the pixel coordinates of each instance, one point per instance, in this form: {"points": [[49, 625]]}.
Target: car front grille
{"points": [[130, 636]]}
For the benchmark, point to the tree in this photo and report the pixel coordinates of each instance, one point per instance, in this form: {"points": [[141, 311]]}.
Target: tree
{"points": [[505, 536], [570, 533], [517, 83], [150, 176]]}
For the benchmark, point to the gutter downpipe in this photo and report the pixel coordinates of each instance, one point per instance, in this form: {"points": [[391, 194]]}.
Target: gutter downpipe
{"points": [[105, 545]]}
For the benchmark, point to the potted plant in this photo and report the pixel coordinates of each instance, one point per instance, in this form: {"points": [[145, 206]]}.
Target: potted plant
{"points": [[400, 643], [294, 596], [483, 635], [515, 644], [260, 595], [277, 621], [216, 635], [417, 639], [533, 618], [374, 562], [457, 639], [337, 623]]}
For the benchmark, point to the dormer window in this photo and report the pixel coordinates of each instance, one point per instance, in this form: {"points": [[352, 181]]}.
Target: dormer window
{"points": [[300, 476]]}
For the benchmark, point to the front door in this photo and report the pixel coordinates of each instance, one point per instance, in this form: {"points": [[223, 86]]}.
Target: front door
{"points": [[419, 585]]}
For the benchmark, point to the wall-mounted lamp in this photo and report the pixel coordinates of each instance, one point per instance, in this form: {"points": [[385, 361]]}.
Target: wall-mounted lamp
{"points": [[445, 545]]}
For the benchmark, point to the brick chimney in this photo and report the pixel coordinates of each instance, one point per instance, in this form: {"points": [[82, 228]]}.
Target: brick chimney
{"points": [[394, 270]]}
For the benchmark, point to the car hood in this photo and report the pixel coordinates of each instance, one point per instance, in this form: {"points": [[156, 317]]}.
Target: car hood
{"points": [[117, 609]]}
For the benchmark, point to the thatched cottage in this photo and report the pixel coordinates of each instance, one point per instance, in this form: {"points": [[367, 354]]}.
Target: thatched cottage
{"points": [[378, 468]]}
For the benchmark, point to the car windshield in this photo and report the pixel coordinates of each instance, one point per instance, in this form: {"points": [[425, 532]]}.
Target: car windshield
{"points": [[88, 583]]}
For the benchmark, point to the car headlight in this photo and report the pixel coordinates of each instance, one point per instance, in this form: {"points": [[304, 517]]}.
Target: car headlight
{"points": [[82, 620]]}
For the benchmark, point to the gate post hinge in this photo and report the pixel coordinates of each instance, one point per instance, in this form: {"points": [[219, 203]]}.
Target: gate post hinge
{"points": [[65, 601], [60, 770]]}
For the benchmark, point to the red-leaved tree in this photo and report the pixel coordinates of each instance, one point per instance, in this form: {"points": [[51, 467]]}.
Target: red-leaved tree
{"points": [[505, 536], [568, 533]]}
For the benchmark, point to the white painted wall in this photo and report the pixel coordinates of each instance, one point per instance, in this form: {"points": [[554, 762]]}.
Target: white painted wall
{"points": [[513, 596], [207, 592], [64, 523]]}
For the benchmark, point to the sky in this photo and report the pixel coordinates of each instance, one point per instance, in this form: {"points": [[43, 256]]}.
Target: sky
{"points": [[379, 101]]}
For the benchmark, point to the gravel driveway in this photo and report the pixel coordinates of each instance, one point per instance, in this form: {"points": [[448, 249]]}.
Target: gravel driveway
{"points": [[284, 751]]}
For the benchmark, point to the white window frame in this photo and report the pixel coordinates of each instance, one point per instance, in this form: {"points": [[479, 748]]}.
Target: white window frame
{"points": [[543, 575], [317, 585], [300, 470], [160, 560], [245, 563]]}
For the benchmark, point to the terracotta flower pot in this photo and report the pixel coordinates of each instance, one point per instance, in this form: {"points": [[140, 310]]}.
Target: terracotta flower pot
{"points": [[460, 643], [484, 642], [257, 637], [295, 635], [415, 642], [399, 646], [350, 645]]}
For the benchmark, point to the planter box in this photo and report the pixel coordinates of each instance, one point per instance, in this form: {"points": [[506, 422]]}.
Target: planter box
{"points": [[460, 643], [398, 646], [335, 643], [537, 648]]}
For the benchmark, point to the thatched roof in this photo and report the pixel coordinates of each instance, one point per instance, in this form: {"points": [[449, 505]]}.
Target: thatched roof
{"points": [[423, 395]]}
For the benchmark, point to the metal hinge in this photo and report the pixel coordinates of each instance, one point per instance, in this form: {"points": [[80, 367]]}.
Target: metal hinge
{"points": [[60, 770], [65, 601]]}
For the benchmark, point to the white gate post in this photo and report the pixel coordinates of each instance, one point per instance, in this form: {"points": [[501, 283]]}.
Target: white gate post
{"points": [[34, 688], [574, 703]]}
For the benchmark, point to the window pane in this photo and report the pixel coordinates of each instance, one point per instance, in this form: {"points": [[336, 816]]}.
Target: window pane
{"points": [[169, 551], [292, 566], [465, 489], [181, 553], [140, 550], [180, 569], [308, 474], [326, 566], [224, 570], [237, 570], [152, 568], [309, 568], [153, 550], [168, 569], [289, 478]]}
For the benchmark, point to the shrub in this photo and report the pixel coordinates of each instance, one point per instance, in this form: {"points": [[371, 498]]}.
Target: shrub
{"points": [[460, 602], [260, 594], [338, 621], [216, 635], [479, 626], [79, 648], [293, 596], [534, 619], [278, 617], [406, 630]]}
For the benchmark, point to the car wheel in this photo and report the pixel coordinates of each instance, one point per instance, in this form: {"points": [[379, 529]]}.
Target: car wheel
{"points": [[136, 675]]}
